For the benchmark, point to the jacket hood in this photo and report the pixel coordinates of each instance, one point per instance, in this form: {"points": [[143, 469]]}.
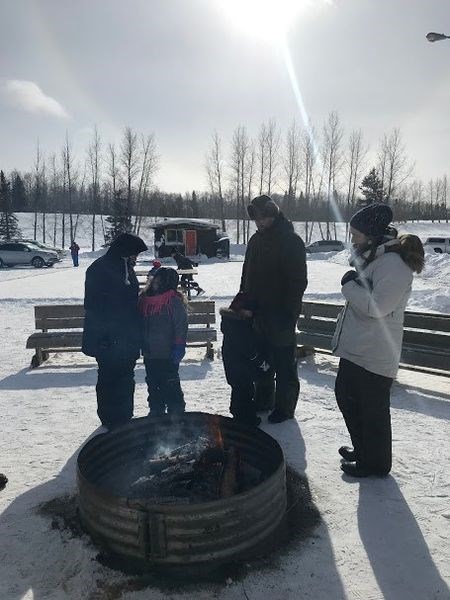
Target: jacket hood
{"points": [[281, 223], [127, 244]]}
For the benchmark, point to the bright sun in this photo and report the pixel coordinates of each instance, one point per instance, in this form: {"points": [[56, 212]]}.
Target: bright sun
{"points": [[265, 19]]}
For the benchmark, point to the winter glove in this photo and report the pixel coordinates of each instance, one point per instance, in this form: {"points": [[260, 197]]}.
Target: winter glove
{"points": [[259, 366], [349, 276], [178, 351]]}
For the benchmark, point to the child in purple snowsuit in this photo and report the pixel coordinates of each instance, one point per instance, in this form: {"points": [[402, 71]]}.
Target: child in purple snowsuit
{"points": [[165, 326]]}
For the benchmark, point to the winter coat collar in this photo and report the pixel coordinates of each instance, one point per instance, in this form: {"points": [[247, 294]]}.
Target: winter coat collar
{"points": [[360, 260], [154, 305]]}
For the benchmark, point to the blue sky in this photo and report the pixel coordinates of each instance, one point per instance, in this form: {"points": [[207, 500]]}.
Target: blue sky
{"points": [[182, 68]]}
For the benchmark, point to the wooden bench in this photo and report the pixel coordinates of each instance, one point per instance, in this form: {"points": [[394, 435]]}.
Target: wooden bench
{"points": [[61, 328], [426, 339]]}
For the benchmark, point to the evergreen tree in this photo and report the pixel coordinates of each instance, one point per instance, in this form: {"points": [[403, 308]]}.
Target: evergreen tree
{"points": [[119, 221], [372, 189], [19, 199], [194, 204], [9, 227]]}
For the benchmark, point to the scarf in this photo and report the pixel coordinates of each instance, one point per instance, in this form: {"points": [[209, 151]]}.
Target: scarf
{"points": [[359, 259], [153, 305]]}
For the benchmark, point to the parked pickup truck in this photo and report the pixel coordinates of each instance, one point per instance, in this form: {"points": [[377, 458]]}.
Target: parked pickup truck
{"points": [[439, 244]]}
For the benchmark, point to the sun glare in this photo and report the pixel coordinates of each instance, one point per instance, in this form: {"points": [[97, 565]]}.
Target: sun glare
{"points": [[265, 19]]}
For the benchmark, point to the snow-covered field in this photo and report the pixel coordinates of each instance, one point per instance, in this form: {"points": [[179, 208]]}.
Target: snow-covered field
{"points": [[377, 539]]}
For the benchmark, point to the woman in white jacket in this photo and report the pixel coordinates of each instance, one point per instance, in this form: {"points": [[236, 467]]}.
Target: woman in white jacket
{"points": [[369, 335]]}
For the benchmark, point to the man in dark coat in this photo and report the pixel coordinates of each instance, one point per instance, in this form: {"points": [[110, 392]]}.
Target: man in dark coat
{"points": [[112, 327], [274, 277]]}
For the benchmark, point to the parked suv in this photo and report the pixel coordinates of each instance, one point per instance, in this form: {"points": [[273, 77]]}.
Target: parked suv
{"points": [[59, 251], [325, 246], [439, 244], [19, 253]]}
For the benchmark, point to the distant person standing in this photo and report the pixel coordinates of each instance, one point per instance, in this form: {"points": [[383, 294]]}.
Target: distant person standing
{"points": [[74, 250], [112, 332], [185, 263], [274, 279]]}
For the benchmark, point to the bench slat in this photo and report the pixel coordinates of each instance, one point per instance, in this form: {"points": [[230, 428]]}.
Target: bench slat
{"points": [[316, 325], [432, 322], [78, 322], [425, 339], [72, 339], [44, 311], [437, 341], [321, 309], [55, 339], [61, 311], [419, 356], [63, 323]]}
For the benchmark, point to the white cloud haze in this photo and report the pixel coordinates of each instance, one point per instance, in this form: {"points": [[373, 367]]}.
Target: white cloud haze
{"points": [[28, 96]]}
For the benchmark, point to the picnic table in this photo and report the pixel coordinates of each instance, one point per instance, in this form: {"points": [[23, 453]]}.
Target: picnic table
{"points": [[187, 283]]}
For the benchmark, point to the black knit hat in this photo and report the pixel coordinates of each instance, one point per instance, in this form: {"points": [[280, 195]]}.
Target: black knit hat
{"points": [[372, 220], [127, 244], [262, 207], [168, 279]]}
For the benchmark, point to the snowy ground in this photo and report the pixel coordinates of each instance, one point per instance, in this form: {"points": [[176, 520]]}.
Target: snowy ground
{"points": [[378, 539]]}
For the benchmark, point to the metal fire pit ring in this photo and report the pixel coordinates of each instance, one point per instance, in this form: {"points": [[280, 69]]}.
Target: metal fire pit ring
{"points": [[147, 534]]}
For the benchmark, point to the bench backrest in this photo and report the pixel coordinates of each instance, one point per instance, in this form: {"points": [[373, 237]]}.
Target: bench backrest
{"points": [[426, 339], [71, 316]]}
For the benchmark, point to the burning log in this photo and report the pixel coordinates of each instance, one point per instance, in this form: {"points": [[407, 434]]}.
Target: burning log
{"points": [[201, 470], [228, 483]]}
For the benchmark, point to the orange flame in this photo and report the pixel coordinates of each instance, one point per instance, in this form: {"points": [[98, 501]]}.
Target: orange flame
{"points": [[215, 431]]}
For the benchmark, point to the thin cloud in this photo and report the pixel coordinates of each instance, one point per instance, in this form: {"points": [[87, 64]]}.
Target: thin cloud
{"points": [[28, 96]]}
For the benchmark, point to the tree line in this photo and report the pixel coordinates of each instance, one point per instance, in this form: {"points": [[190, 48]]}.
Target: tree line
{"points": [[317, 176]]}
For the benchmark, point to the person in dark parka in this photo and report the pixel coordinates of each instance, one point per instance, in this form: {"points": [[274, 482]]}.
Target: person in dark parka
{"points": [[112, 327], [274, 277]]}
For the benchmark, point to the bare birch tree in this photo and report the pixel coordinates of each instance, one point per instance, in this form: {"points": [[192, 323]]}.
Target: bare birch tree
{"points": [[69, 176], [37, 188], [308, 158], [44, 198], [395, 166], [262, 156], [149, 166], [292, 164], [113, 168], [445, 196], [238, 163], [273, 144], [214, 166], [355, 164], [94, 161], [332, 158], [129, 158], [250, 174], [54, 183]]}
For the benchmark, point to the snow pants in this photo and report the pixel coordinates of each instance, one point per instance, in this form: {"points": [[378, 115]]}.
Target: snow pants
{"points": [[164, 388], [238, 348], [115, 390], [281, 388], [364, 400]]}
